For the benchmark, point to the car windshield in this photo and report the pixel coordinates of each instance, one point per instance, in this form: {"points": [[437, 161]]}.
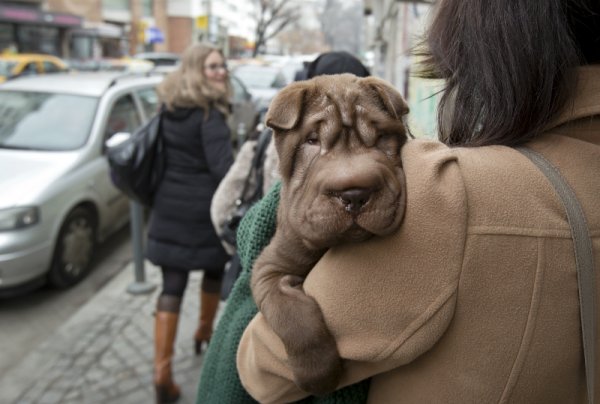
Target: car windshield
{"points": [[45, 121], [256, 76], [6, 67]]}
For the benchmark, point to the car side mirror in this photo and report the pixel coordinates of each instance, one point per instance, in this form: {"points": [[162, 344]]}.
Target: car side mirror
{"points": [[117, 139]]}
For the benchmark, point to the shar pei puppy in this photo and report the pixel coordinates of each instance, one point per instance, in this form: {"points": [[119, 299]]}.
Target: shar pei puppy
{"points": [[338, 138]]}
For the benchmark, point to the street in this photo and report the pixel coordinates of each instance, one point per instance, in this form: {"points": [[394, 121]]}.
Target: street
{"points": [[28, 319]]}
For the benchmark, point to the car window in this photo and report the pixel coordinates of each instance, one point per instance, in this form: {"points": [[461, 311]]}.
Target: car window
{"points": [[29, 69], [256, 76], [6, 67], [123, 117], [50, 67], [149, 99], [164, 61], [45, 121], [279, 81]]}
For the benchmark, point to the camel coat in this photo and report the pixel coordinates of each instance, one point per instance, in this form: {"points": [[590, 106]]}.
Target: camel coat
{"points": [[474, 299]]}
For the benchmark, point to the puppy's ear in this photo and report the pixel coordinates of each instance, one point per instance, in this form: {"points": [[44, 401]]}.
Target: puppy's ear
{"points": [[285, 109], [391, 99]]}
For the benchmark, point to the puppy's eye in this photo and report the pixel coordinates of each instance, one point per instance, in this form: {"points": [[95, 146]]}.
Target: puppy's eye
{"points": [[313, 140], [388, 143]]}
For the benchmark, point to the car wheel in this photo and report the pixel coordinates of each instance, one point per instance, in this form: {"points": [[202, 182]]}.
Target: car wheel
{"points": [[74, 249]]}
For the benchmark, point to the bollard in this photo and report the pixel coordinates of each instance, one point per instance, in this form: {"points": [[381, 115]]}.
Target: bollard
{"points": [[136, 222]]}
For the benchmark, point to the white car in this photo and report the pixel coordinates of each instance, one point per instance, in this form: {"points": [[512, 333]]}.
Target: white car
{"points": [[57, 199], [263, 82]]}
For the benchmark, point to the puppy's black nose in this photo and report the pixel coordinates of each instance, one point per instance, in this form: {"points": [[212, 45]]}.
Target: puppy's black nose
{"points": [[355, 198]]}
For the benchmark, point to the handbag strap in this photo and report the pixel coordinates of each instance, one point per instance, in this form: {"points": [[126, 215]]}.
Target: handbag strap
{"points": [[256, 169], [584, 260]]}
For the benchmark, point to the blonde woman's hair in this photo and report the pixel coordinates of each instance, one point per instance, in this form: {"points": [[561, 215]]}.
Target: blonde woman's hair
{"points": [[187, 86]]}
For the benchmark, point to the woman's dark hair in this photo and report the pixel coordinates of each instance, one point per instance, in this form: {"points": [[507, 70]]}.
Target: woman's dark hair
{"points": [[508, 64]]}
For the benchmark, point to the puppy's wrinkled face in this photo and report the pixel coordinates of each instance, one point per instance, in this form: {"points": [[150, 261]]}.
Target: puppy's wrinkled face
{"points": [[339, 139]]}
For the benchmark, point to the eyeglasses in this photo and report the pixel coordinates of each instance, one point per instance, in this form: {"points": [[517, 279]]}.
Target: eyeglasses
{"points": [[216, 66]]}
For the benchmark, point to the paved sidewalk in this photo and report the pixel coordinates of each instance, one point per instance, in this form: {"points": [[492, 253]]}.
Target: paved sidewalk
{"points": [[103, 354]]}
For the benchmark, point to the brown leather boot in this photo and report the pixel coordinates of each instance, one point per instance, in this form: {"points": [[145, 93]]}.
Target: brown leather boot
{"points": [[165, 330], [209, 303]]}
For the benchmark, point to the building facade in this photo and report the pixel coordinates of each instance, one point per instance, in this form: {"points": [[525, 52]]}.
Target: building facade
{"points": [[114, 28], [393, 29], [26, 27], [95, 29], [85, 29]]}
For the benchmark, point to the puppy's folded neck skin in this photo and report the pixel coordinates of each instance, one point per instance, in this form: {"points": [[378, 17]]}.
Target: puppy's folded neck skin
{"points": [[338, 139]]}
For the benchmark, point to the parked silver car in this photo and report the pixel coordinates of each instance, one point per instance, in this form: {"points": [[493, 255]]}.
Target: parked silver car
{"points": [[262, 81], [57, 199], [245, 115]]}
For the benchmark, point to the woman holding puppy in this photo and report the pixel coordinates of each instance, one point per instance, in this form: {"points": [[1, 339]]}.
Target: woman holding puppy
{"points": [[475, 299]]}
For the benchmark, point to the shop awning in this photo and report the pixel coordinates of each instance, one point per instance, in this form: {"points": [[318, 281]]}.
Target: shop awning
{"points": [[99, 29], [26, 15]]}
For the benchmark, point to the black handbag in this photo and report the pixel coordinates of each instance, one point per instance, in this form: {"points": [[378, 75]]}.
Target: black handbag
{"points": [[137, 164]]}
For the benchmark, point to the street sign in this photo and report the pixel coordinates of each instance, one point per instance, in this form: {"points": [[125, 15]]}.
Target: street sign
{"points": [[154, 35], [202, 22]]}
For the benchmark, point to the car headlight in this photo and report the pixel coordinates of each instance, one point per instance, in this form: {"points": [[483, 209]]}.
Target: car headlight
{"points": [[18, 218]]}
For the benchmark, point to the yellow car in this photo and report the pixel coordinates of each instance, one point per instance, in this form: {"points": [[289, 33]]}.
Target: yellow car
{"points": [[23, 64]]}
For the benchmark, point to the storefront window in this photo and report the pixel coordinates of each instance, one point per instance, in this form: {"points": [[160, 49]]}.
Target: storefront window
{"points": [[115, 5], [34, 39], [7, 38], [147, 8], [82, 47], [111, 47]]}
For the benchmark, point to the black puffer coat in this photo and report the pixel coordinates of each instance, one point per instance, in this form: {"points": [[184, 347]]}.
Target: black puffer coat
{"points": [[198, 151]]}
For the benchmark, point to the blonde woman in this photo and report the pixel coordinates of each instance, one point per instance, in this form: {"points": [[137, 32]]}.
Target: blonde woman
{"points": [[181, 237]]}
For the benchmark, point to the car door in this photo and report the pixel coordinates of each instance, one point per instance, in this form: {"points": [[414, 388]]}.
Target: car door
{"points": [[123, 116], [148, 99]]}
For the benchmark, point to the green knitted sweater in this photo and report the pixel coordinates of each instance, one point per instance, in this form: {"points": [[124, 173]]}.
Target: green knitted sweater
{"points": [[219, 381]]}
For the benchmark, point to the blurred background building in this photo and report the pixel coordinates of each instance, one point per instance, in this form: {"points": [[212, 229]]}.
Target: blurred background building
{"points": [[26, 26], [381, 32], [393, 28], [111, 28]]}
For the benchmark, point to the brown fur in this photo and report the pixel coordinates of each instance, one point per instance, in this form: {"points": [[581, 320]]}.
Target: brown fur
{"points": [[338, 139]]}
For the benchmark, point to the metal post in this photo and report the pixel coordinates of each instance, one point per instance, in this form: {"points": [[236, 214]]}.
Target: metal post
{"points": [[136, 221], [241, 134]]}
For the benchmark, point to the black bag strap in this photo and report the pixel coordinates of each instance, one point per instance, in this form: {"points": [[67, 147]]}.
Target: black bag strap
{"points": [[256, 169], [584, 260], [259, 159]]}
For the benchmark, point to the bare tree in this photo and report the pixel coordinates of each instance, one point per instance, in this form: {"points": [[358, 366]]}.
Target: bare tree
{"points": [[272, 17], [341, 23]]}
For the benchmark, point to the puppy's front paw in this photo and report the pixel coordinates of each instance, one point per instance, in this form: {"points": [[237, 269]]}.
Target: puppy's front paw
{"points": [[318, 370]]}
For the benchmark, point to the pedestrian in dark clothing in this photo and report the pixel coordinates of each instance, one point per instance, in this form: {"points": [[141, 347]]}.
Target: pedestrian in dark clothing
{"points": [[302, 74], [336, 62], [181, 237]]}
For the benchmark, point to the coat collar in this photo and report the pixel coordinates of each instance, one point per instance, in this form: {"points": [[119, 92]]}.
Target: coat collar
{"points": [[586, 102]]}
